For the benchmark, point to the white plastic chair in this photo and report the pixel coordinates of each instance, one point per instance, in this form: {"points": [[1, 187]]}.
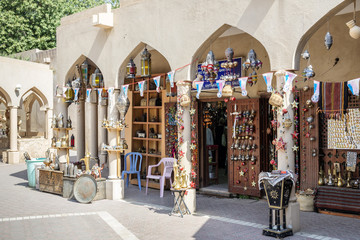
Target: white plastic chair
{"points": [[168, 168]]}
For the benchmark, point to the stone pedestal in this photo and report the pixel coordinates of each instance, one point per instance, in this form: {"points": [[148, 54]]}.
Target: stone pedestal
{"points": [[114, 189], [13, 157]]}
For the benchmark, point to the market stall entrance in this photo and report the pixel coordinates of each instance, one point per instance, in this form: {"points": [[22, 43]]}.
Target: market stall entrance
{"points": [[234, 144]]}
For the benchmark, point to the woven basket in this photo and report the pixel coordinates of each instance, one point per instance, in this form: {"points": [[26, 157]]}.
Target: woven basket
{"points": [[276, 100]]}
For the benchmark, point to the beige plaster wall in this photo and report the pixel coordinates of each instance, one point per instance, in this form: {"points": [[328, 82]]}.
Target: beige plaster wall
{"points": [[30, 76], [183, 29]]}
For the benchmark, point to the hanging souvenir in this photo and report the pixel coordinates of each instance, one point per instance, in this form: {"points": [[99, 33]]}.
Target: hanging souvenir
{"points": [[157, 83], [185, 100], [353, 85], [171, 76], [141, 88], [289, 77], [305, 55], [308, 73], [276, 99], [268, 79], [88, 91], [220, 84], [328, 40], [76, 93], [125, 90], [210, 67], [242, 83], [315, 97], [227, 91], [199, 85]]}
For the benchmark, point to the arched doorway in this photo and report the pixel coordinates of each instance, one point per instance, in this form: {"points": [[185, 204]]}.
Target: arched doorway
{"points": [[146, 116], [224, 167]]}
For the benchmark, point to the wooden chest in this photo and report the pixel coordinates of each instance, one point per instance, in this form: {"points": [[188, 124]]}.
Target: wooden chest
{"points": [[51, 181]]}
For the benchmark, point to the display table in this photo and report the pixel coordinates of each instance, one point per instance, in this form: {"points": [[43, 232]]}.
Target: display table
{"points": [[51, 181], [68, 188], [179, 199]]}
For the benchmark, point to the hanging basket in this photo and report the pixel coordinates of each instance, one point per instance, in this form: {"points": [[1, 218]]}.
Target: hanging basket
{"points": [[276, 99]]}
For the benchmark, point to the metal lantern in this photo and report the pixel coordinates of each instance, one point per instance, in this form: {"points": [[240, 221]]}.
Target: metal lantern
{"points": [[131, 69], [69, 93], [145, 63], [84, 72], [96, 79], [122, 104]]}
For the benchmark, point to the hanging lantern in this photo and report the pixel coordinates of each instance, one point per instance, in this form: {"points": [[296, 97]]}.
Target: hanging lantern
{"points": [[145, 63], [69, 93], [84, 72], [96, 79], [131, 69]]}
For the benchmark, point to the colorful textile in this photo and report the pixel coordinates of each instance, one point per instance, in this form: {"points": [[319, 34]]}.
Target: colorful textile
{"points": [[333, 96]]}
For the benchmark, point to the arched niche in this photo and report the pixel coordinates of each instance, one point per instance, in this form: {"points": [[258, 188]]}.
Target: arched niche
{"points": [[241, 43], [159, 63], [5, 96]]}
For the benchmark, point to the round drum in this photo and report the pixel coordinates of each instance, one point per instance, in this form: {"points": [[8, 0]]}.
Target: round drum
{"points": [[85, 188]]}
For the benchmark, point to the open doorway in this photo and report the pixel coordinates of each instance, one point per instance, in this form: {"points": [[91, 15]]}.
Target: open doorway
{"points": [[213, 141]]}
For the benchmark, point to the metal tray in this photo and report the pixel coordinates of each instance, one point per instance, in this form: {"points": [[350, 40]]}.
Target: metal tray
{"points": [[85, 188]]}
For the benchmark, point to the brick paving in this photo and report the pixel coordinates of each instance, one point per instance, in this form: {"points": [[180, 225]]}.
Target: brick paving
{"points": [[26, 213]]}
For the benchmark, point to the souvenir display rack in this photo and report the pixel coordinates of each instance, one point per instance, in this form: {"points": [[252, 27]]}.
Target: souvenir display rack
{"points": [[245, 154], [148, 124], [68, 147]]}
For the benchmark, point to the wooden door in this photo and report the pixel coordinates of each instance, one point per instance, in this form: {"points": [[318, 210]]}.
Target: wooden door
{"points": [[244, 146]]}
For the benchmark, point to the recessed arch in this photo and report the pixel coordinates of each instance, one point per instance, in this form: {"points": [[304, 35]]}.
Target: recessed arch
{"points": [[312, 30], [159, 63], [73, 70], [229, 36], [6, 97], [34, 90]]}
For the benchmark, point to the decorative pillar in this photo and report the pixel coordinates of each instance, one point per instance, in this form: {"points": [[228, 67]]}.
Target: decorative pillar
{"points": [[286, 159], [80, 130], [102, 132], [91, 126], [184, 136], [48, 118], [13, 153], [114, 184], [28, 124]]}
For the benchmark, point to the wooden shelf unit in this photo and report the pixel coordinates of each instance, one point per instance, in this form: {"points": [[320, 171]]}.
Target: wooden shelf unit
{"points": [[58, 130], [146, 117]]}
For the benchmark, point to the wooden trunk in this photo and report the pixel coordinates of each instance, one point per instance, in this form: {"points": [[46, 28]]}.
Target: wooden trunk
{"points": [[51, 181]]}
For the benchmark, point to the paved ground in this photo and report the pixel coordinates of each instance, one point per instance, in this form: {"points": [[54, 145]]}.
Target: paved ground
{"points": [[26, 213]]}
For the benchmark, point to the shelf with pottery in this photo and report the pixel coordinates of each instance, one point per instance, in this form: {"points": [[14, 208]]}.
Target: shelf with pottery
{"points": [[121, 144], [62, 143], [148, 126]]}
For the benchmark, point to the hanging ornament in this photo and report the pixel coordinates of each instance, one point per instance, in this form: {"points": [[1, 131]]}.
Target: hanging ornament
{"points": [[268, 79], [157, 83], [295, 135], [242, 83], [305, 55], [141, 87], [229, 65], [227, 91], [295, 148], [253, 63], [171, 76], [88, 91], [289, 77], [279, 144], [308, 73], [315, 97], [199, 85], [210, 67], [294, 104], [328, 40], [353, 85], [220, 85]]}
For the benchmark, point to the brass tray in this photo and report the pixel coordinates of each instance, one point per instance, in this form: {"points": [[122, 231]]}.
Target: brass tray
{"points": [[85, 188]]}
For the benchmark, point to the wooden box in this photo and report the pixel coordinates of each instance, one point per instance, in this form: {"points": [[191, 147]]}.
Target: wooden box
{"points": [[51, 181]]}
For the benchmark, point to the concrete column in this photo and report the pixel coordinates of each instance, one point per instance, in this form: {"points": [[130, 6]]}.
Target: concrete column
{"points": [[13, 153], [80, 130], [114, 185], [102, 132], [48, 118], [28, 124], [286, 159], [91, 127], [183, 88]]}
